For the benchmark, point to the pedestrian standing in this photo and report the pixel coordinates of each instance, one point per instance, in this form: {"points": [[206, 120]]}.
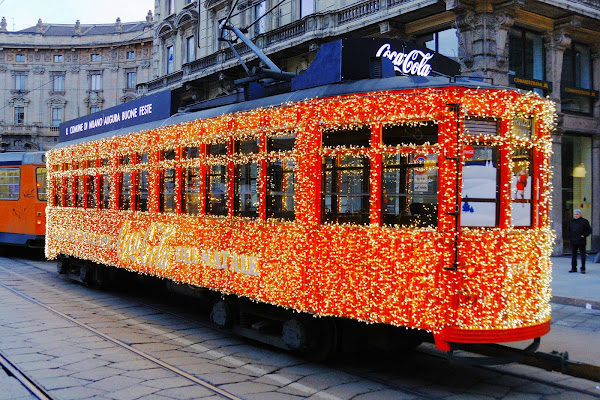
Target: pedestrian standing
{"points": [[577, 232]]}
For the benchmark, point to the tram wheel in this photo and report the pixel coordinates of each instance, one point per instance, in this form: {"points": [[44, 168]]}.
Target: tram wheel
{"points": [[325, 340], [222, 314]]}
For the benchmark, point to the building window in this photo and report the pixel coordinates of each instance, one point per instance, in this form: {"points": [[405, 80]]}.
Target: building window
{"points": [[171, 7], [444, 42], [20, 81], [576, 74], [20, 58], [170, 59], [191, 49], [94, 109], [259, 11], [10, 182], [96, 82], [131, 80], [58, 58], [307, 7], [526, 56], [19, 115], [95, 57], [57, 116], [58, 83], [131, 55]]}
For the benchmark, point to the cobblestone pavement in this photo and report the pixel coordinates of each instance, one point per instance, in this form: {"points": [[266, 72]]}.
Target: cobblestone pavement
{"points": [[74, 363]]}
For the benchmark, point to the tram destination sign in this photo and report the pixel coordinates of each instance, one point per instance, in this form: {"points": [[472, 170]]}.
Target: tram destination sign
{"points": [[139, 111]]}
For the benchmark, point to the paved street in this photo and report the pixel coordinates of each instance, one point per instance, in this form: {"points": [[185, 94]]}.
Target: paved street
{"points": [[176, 350]]}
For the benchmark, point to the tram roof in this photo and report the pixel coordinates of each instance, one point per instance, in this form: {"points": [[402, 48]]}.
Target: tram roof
{"points": [[332, 90], [22, 157]]}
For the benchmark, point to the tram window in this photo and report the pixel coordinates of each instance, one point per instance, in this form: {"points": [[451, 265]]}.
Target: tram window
{"points": [[68, 192], [247, 146], [282, 143], [91, 191], [191, 198], [192, 152], [41, 183], [167, 195], [80, 191], [399, 135], [346, 189], [142, 158], [105, 192], [360, 137], [410, 186], [217, 149], [169, 154], [246, 190], [10, 183], [124, 160], [481, 127], [216, 203], [105, 162], [141, 191], [58, 192], [521, 187], [280, 190], [125, 191], [479, 206]]}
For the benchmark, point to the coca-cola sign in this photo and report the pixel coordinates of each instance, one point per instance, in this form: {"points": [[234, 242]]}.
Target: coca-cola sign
{"points": [[415, 62]]}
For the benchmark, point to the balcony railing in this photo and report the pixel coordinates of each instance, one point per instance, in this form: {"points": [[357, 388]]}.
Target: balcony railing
{"points": [[358, 11], [286, 32]]}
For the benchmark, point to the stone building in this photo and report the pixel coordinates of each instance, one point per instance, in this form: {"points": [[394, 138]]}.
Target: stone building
{"points": [[50, 73]]}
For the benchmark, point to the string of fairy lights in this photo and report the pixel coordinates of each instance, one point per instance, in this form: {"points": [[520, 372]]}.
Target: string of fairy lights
{"points": [[371, 272]]}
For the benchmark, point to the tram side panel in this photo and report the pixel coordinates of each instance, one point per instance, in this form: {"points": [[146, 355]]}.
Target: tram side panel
{"points": [[22, 205]]}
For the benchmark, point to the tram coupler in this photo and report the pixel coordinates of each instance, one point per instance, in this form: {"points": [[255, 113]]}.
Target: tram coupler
{"points": [[500, 355]]}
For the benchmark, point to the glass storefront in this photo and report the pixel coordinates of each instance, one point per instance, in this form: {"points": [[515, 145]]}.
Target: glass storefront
{"points": [[576, 155]]}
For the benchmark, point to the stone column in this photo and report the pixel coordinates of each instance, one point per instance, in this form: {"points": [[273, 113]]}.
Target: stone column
{"points": [[556, 44]]}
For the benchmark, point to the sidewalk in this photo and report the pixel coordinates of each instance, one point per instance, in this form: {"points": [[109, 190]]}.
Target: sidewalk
{"points": [[575, 312]]}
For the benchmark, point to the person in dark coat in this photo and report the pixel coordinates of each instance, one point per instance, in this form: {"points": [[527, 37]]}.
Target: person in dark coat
{"points": [[577, 230]]}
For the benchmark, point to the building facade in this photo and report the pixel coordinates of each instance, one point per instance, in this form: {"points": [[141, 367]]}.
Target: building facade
{"points": [[52, 73]]}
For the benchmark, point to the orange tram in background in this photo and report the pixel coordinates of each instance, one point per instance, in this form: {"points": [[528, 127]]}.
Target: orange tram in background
{"points": [[407, 204], [23, 199]]}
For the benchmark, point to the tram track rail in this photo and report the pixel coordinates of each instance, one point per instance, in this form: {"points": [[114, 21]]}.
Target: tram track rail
{"points": [[426, 351], [24, 379]]}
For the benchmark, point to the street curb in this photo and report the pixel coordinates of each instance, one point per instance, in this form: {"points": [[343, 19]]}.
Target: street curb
{"points": [[575, 302]]}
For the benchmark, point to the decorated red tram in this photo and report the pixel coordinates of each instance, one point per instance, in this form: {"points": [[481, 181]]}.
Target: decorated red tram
{"points": [[399, 202]]}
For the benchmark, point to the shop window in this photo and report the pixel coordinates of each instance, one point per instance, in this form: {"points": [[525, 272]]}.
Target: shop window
{"points": [[480, 194], [10, 183], [527, 56], [577, 95], [521, 187], [125, 191], [168, 194], [410, 186]]}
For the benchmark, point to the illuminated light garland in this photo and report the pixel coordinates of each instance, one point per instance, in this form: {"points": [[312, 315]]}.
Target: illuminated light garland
{"points": [[370, 273]]}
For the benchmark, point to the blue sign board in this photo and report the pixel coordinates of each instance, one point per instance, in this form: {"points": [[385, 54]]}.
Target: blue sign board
{"points": [[145, 109]]}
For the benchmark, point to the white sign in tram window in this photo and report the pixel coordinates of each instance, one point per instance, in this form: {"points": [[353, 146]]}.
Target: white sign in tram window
{"points": [[421, 183]]}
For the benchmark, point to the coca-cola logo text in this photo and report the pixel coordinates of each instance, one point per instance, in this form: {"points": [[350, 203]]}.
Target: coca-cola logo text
{"points": [[415, 62]]}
